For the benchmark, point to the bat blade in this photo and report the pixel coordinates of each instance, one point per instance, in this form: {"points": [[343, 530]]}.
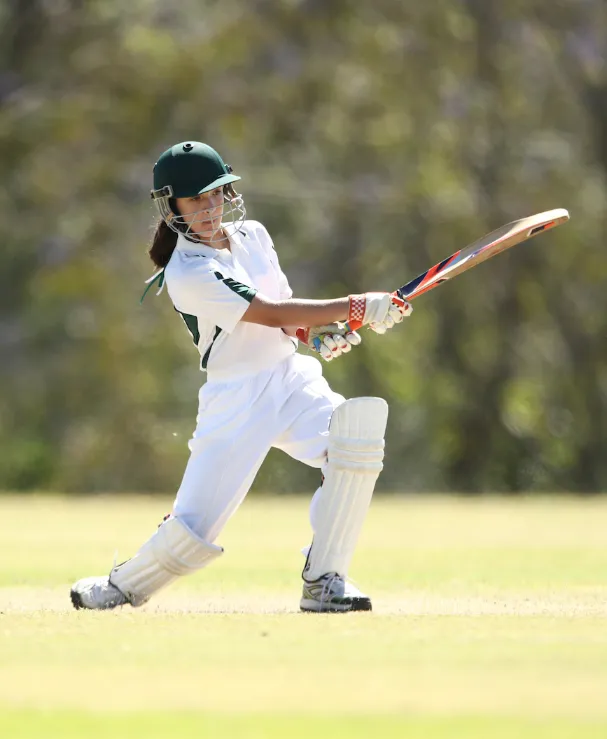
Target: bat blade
{"points": [[479, 251], [484, 248]]}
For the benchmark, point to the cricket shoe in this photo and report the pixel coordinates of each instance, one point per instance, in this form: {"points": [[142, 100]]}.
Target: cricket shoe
{"points": [[97, 593], [332, 593]]}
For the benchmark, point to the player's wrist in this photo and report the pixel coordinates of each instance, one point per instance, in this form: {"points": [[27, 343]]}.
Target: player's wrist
{"points": [[368, 308], [377, 309]]}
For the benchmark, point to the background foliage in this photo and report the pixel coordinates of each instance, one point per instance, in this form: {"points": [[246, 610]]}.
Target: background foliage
{"points": [[373, 139]]}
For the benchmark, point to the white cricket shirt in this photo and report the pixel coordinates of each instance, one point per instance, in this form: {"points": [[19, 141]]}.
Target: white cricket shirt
{"points": [[212, 289]]}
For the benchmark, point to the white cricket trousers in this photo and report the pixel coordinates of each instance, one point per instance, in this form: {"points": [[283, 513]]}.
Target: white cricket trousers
{"points": [[288, 407]]}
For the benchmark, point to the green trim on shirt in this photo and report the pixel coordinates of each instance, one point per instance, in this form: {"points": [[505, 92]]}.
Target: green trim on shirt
{"points": [[205, 359], [246, 292], [192, 325], [191, 322]]}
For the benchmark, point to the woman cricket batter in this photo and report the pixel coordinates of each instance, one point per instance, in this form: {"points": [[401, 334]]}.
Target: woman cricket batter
{"points": [[223, 276]]}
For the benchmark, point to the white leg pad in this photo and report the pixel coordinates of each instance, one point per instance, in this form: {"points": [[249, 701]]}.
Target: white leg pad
{"points": [[172, 551], [355, 459]]}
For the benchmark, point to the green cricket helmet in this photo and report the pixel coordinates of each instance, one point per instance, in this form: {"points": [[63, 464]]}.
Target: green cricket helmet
{"points": [[189, 169]]}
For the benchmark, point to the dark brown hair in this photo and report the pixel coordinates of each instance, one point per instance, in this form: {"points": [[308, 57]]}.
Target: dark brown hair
{"points": [[163, 244]]}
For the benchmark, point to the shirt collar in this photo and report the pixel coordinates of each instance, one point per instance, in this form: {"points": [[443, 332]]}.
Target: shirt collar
{"points": [[190, 247]]}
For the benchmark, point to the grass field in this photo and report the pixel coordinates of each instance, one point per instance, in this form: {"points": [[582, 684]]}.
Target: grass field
{"points": [[490, 620]]}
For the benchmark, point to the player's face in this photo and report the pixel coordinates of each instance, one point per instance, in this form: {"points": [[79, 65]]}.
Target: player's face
{"points": [[203, 213]]}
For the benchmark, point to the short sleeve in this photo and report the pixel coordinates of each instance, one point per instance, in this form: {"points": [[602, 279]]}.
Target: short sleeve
{"points": [[283, 283], [208, 294], [266, 240]]}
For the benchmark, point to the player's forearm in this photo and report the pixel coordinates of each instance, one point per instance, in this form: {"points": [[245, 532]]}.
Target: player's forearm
{"points": [[295, 312]]}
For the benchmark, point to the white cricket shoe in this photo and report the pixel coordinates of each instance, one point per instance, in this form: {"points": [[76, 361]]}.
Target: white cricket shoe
{"points": [[331, 593], [97, 593]]}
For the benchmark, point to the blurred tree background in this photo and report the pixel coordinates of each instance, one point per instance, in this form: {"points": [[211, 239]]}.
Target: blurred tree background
{"points": [[373, 139]]}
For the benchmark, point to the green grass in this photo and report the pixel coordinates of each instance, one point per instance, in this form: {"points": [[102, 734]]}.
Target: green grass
{"points": [[489, 621]]}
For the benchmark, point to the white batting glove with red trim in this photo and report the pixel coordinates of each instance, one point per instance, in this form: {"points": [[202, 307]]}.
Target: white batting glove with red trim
{"points": [[329, 341], [380, 311]]}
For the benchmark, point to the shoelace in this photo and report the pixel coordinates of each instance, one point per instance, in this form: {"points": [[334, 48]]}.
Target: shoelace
{"points": [[326, 588], [329, 582]]}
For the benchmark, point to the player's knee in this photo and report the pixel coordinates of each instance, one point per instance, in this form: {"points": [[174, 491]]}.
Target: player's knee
{"points": [[360, 418], [356, 435]]}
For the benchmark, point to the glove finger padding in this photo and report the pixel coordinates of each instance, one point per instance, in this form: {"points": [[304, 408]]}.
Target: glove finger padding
{"points": [[404, 308], [395, 314], [325, 352], [342, 344], [329, 341], [379, 328]]}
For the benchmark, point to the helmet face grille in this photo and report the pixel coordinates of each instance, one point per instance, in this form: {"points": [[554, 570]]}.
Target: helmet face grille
{"points": [[233, 215]]}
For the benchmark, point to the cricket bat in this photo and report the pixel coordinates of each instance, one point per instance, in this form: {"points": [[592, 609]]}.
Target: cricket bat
{"points": [[484, 248]]}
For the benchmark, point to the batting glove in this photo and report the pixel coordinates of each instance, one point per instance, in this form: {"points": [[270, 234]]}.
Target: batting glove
{"points": [[380, 311], [329, 341]]}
